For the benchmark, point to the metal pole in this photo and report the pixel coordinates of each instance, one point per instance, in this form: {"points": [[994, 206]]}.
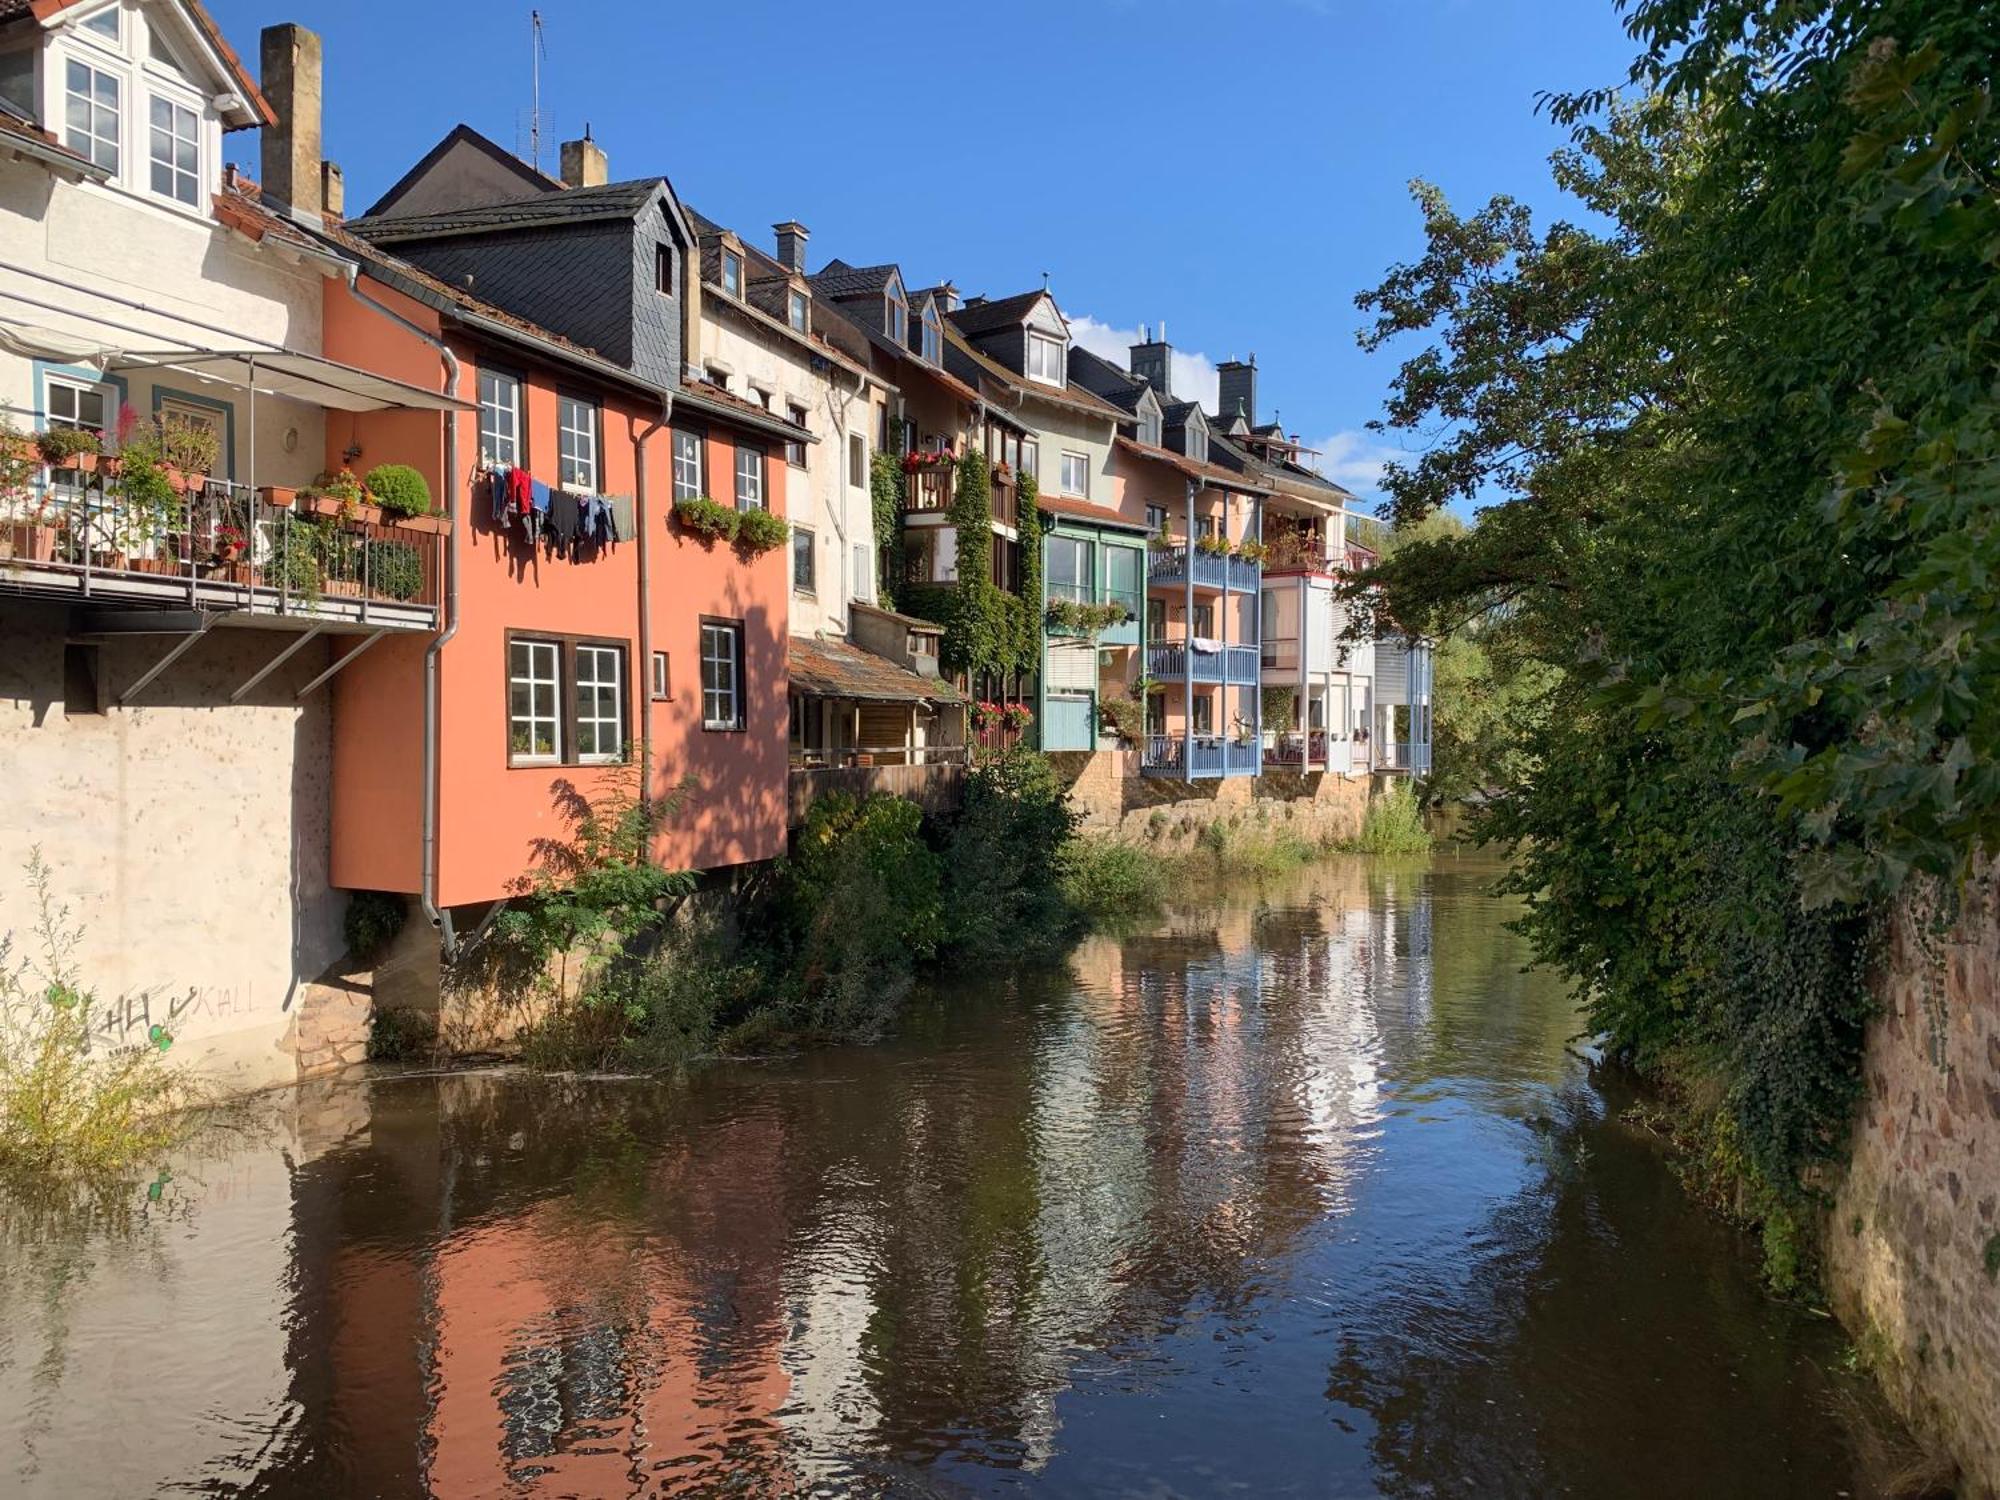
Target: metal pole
{"points": [[250, 522], [1187, 647]]}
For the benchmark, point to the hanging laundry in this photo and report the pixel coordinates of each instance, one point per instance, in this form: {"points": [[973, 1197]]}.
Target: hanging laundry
{"points": [[497, 481], [520, 491], [565, 528]]}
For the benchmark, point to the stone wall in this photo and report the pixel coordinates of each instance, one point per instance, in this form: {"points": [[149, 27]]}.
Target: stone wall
{"points": [[1112, 798], [1914, 1241]]}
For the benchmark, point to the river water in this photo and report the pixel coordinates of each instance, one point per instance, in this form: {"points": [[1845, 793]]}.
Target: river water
{"points": [[1301, 1192]]}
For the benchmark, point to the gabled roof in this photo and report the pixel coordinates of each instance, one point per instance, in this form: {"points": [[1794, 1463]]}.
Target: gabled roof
{"points": [[837, 669], [257, 110], [531, 180], [760, 269], [615, 200], [1073, 509], [979, 367], [838, 280], [1215, 476], [976, 318]]}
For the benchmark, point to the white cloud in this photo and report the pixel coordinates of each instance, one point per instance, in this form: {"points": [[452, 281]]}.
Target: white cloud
{"points": [[1192, 375], [1354, 459]]}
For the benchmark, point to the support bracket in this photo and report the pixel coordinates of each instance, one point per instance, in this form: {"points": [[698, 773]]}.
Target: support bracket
{"points": [[276, 662], [328, 673], [174, 653]]}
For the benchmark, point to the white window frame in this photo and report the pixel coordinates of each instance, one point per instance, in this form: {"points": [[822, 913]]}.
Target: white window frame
{"points": [[538, 651], [116, 14], [857, 461], [732, 273], [898, 312], [933, 337], [179, 409], [576, 443], [1082, 462], [798, 310], [728, 695], [690, 454], [175, 172], [52, 382], [749, 477], [597, 667], [505, 388], [1051, 349], [1149, 430], [116, 140], [1031, 457]]}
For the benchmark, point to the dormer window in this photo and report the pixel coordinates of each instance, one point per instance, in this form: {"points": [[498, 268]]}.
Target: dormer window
{"points": [[176, 152], [1047, 359], [732, 273], [897, 313], [105, 22], [1149, 427], [795, 310], [1196, 441], [933, 337], [92, 109]]}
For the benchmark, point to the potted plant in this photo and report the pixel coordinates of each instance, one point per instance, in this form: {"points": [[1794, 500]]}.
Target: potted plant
{"points": [[74, 448], [339, 494], [758, 531], [707, 519], [230, 543], [191, 450], [395, 570], [1017, 717], [404, 496], [1252, 550]]}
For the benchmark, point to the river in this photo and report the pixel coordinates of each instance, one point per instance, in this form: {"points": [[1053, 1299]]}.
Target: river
{"points": [[1300, 1192]]}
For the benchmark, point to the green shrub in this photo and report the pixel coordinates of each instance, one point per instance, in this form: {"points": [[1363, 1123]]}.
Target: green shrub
{"points": [[402, 1034], [72, 1110], [1394, 824], [399, 489], [1110, 882], [705, 518], [395, 569], [1001, 853], [372, 921], [759, 531], [59, 444]]}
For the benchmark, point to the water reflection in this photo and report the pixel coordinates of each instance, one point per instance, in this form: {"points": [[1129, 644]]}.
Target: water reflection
{"points": [[1300, 1193]]}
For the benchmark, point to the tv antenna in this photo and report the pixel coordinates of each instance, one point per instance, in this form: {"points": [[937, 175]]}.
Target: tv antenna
{"points": [[538, 50]]}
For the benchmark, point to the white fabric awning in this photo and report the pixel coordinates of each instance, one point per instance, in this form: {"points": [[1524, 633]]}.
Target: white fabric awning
{"points": [[301, 377]]}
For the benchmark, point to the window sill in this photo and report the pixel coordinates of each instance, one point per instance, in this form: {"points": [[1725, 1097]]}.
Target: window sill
{"points": [[533, 762], [721, 728]]}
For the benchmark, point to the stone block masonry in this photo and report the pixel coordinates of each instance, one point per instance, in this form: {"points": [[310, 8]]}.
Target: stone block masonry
{"points": [[1914, 1241], [1112, 798]]}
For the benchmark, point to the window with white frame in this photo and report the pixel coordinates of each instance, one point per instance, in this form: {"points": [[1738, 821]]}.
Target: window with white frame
{"points": [[722, 674], [106, 22], [688, 481], [796, 309], [499, 417], [1076, 474], [81, 403], [803, 571], [857, 460], [1149, 427], [1031, 458], [576, 437], [897, 314], [795, 448], [1194, 440], [175, 412], [749, 477], [933, 336], [175, 151], [732, 273], [1047, 359], [534, 713], [92, 110], [600, 703], [1072, 564]]}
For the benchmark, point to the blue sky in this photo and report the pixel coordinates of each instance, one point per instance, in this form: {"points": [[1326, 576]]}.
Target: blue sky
{"points": [[1237, 168]]}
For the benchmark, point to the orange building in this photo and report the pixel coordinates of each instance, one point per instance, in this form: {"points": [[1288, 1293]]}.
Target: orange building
{"points": [[565, 664]]}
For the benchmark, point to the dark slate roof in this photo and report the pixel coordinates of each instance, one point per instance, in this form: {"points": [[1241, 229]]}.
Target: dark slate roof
{"points": [[983, 317], [838, 669], [1101, 377], [974, 366], [616, 200], [837, 279]]}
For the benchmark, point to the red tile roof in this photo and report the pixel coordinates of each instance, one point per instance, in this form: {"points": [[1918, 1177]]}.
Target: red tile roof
{"points": [[1084, 510], [837, 669], [1213, 475]]}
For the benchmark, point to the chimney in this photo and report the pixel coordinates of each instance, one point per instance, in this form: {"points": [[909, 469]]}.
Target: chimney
{"points": [[947, 297], [332, 190], [792, 239], [584, 163], [1152, 360], [291, 82], [1236, 388]]}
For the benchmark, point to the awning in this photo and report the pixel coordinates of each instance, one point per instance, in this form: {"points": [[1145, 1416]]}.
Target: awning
{"points": [[301, 377]]}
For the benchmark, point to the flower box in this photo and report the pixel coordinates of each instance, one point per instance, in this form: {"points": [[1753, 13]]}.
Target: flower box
{"points": [[278, 497], [434, 525], [28, 541], [330, 505]]}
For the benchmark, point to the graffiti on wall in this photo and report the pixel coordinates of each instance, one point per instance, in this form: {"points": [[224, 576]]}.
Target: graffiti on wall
{"points": [[156, 1015]]}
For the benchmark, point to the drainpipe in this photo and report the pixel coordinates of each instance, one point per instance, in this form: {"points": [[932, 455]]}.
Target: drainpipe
{"points": [[642, 674], [439, 918]]}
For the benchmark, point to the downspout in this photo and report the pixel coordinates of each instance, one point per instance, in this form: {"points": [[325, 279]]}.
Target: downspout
{"points": [[439, 918], [837, 513], [642, 685]]}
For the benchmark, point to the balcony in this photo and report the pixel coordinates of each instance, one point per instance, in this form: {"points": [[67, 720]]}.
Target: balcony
{"points": [[931, 776], [220, 547], [1006, 502], [1169, 662], [929, 487], [1197, 756], [1167, 566]]}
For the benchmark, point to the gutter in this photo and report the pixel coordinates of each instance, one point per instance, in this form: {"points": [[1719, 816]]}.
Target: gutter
{"points": [[439, 919]]}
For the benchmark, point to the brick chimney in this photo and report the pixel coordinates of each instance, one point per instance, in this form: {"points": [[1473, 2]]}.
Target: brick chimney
{"points": [[332, 190], [290, 80], [584, 163], [1236, 389], [792, 239], [1152, 360]]}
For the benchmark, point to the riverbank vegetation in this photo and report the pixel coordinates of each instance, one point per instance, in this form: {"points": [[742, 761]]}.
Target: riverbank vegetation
{"points": [[1745, 448]]}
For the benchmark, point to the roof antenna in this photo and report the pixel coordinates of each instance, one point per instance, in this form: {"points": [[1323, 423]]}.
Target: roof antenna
{"points": [[1045, 281], [538, 51]]}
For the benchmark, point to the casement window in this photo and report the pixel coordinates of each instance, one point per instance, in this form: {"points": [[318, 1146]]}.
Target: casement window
{"points": [[1194, 441], [1156, 713], [1076, 474], [1156, 619], [663, 269], [534, 698], [176, 151], [1208, 526], [1156, 519], [864, 573], [732, 273], [1006, 564], [174, 412], [688, 478], [576, 437], [93, 108], [721, 674], [1149, 428], [749, 477], [896, 314], [499, 417], [1204, 622], [599, 698], [1204, 713], [1047, 359], [933, 337], [662, 683], [795, 309], [795, 448], [80, 403], [1072, 569], [1031, 458], [857, 461], [1124, 572], [566, 700], [802, 560]]}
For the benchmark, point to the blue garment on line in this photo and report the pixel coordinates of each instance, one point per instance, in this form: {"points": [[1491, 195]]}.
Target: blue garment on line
{"points": [[541, 492]]}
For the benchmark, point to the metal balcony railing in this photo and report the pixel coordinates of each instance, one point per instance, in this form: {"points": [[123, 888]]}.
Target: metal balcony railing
{"points": [[1169, 661]]}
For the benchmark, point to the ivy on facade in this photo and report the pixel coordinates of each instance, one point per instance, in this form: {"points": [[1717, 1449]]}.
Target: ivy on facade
{"points": [[987, 629]]}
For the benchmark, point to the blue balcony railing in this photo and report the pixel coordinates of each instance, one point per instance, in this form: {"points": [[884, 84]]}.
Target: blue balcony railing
{"points": [[1198, 756], [1169, 661], [1212, 570]]}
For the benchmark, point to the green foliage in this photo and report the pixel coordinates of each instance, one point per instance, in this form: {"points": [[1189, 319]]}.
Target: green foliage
{"points": [[399, 489], [395, 568], [1111, 883], [887, 488], [1991, 1257], [373, 919], [1124, 715], [1394, 824], [999, 858], [1256, 853], [298, 563], [74, 1107], [1277, 706], [706, 518], [986, 629], [57, 445], [1069, 617], [400, 1034], [758, 531]]}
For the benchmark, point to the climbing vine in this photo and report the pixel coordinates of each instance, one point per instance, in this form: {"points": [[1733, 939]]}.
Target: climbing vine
{"points": [[887, 492]]}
